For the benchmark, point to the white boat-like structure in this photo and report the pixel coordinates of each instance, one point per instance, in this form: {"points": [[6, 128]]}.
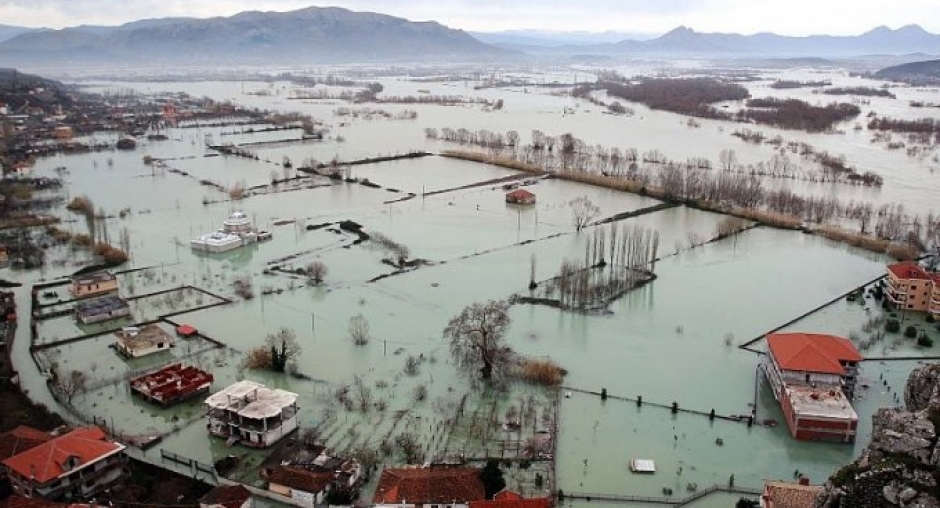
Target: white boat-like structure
{"points": [[237, 231]]}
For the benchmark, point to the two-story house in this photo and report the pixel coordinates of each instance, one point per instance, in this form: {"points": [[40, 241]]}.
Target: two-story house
{"points": [[908, 286], [75, 465]]}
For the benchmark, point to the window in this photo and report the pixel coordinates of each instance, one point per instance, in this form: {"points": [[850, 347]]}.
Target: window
{"points": [[159, 345]]}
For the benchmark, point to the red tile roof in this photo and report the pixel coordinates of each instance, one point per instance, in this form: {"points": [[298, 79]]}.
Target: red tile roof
{"points": [[510, 499], [811, 352], [229, 496], [47, 461], [186, 330], [429, 485], [21, 439], [38, 502], [301, 479], [908, 270]]}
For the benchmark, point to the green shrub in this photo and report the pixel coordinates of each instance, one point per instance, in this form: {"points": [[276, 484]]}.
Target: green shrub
{"points": [[892, 326], [924, 340], [910, 332]]}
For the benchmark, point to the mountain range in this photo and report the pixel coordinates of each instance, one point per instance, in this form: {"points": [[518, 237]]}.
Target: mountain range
{"points": [[333, 35], [311, 35]]}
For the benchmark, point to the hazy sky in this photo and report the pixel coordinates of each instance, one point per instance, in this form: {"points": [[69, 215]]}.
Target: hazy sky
{"points": [[789, 17]]}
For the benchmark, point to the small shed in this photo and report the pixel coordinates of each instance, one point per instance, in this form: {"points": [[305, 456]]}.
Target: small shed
{"points": [[186, 331], [646, 466], [520, 197]]}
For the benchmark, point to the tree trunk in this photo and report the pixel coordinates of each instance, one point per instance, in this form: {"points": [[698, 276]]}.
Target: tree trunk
{"points": [[487, 370]]}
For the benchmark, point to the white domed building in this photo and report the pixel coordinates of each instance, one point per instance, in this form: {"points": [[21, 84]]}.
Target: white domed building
{"points": [[236, 231]]}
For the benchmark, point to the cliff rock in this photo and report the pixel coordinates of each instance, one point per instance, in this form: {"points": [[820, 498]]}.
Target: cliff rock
{"points": [[901, 464]]}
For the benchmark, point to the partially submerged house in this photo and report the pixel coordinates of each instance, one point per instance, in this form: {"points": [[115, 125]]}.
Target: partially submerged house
{"points": [[172, 384], [520, 197], [431, 487], [236, 231], [813, 378], [102, 309], [908, 286], [75, 465], [308, 473], [134, 342], [249, 413], [93, 284]]}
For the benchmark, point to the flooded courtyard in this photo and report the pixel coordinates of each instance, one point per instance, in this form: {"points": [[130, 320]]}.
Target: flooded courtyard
{"points": [[673, 340]]}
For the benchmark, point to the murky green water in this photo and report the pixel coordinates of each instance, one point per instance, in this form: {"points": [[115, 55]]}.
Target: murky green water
{"points": [[672, 340]]}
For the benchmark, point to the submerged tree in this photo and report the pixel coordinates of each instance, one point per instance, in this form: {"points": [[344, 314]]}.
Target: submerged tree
{"points": [[359, 330], [492, 478], [284, 348], [583, 211], [477, 337]]}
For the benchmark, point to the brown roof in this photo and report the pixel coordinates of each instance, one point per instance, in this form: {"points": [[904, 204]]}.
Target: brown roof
{"points": [[908, 270], [21, 439], [790, 495], [47, 461], [429, 485], [510, 499], [229, 496], [301, 479], [38, 502]]}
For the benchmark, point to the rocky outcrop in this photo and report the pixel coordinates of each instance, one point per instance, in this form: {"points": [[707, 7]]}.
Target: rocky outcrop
{"points": [[901, 465]]}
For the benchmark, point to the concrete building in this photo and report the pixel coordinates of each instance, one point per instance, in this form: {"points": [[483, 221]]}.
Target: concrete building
{"points": [[236, 231], [813, 377], [171, 384], [102, 309], [75, 465], [909, 286], [93, 284], [251, 414], [134, 342]]}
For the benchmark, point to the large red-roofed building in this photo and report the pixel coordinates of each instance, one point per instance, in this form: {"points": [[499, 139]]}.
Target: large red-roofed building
{"points": [[75, 465], [813, 377], [510, 499]]}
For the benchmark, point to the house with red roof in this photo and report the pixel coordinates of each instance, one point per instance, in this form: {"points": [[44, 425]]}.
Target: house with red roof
{"points": [[430, 487], [813, 378], [908, 286], [75, 465], [22, 438], [510, 499], [520, 197]]}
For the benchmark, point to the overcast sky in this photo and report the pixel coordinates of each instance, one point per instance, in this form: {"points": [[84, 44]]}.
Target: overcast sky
{"points": [[788, 17]]}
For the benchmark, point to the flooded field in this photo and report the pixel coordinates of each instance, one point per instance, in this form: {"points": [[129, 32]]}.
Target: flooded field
{"points": [[672, 340]]}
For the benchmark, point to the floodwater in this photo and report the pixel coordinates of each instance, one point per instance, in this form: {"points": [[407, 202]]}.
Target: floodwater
{"points": [[670, 341]]}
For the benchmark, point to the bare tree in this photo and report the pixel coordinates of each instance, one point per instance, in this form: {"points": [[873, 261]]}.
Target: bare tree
{"points": [[284, 348], [727, 159], [71, 384], [362, 393], [583, 211], [317, 271], [408, 444], [477, 335], [359, 330]]}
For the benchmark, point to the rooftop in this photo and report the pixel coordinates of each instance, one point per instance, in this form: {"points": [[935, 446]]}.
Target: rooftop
{"points": [[301, 479], [520, 193], [20, 439], [791, 495], [510, 499], [812, 352], [252, 400], [172, 381], [93, 277], [908, 270], [429, 485], [101, 305], [139, 338], [831, 403], [229, 496], [49, 460]]}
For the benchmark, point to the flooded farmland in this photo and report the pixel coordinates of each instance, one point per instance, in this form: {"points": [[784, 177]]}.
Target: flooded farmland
{"points": [[673, 340]]}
